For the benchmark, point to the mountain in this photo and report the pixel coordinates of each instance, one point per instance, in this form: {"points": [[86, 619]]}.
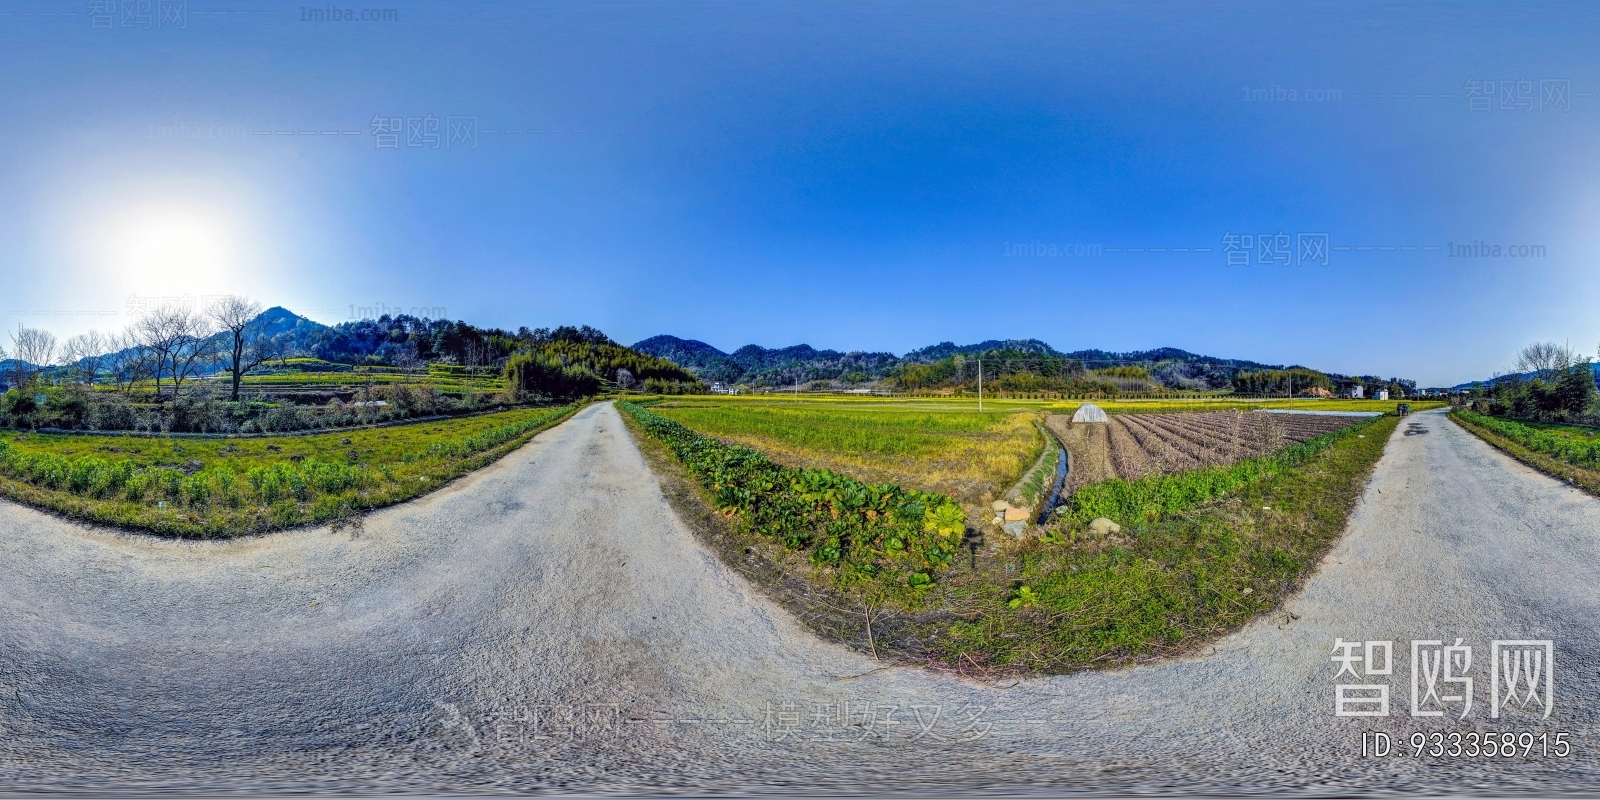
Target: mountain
{"points": [[944, 350], [296, 332], [761, 366], [704, 360], [279, 320]]}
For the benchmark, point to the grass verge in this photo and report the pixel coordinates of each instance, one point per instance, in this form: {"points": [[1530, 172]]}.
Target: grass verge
{"points": [[1570, 453], [877, 543], [220, 487], [784, 575]]}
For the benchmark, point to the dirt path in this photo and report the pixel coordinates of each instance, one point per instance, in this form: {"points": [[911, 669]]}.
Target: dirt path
{"points": [[548, 623]]}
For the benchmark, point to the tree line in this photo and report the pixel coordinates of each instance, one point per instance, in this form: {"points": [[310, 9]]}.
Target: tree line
{"points": [[168, 346]]}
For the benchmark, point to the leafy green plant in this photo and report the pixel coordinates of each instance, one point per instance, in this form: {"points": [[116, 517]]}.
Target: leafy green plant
{"points": [[1023, 598], [946, 520], [875, 532]]}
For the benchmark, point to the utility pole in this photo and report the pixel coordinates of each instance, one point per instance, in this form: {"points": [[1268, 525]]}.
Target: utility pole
{"points": [[980, 384]]}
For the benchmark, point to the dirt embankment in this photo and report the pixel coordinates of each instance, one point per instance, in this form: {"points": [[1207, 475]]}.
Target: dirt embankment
{"points": [[1088, 451]]}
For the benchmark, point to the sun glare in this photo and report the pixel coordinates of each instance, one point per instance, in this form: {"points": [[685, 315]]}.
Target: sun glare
{"points": [[172, 249]]}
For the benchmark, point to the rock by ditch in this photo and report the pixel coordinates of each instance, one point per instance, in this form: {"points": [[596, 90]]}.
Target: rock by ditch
{"points": [[1104, 526]]}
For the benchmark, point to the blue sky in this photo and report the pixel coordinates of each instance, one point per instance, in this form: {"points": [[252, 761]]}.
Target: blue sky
{"points": [[848, 175]]}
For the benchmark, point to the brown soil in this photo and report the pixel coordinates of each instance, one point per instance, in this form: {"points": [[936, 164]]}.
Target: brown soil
{"points": [[1133, 446]]}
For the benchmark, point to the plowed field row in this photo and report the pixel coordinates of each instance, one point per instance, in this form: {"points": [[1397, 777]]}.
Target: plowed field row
{"points": [[1149, 444]]}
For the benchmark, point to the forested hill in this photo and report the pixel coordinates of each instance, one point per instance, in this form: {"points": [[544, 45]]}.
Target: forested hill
{"points": [[756, 364]]}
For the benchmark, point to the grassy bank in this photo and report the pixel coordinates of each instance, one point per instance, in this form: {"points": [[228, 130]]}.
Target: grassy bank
{"points": [[1068, 602], [219, 487], [1159, 587], [1568, 452]]}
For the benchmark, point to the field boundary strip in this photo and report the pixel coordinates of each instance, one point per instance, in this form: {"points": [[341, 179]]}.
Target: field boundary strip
{"points": [[1560, 469]]}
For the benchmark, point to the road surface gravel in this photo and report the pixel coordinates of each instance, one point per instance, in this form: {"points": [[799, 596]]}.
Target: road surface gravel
{"points": [[548, 623]]}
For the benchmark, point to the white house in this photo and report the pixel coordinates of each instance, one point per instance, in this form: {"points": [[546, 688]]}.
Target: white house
{"points": [[1381, 394], [1357, 392]]}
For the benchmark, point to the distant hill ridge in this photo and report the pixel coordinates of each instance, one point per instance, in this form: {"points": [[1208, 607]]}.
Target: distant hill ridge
{"points": [[758, 365]]}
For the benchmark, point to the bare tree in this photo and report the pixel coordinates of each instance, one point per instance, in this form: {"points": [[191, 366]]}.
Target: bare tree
{"points": [[1545, 359], [624, 378], [127, 361], [406, 358], [85, 354], [179, 341], [248, 347], [36, 349]]}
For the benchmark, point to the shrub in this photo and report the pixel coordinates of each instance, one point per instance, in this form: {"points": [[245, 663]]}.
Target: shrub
{"points": [[88, 476], [196, 490]]}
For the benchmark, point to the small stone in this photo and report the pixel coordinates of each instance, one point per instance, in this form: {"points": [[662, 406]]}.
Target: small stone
{"points": [[1000, 505], [1014, 514], [345, 440], [1248, 590], [1104, 526]]}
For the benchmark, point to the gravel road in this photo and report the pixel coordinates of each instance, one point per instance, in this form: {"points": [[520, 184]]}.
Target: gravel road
{"points": [[548, 623]]}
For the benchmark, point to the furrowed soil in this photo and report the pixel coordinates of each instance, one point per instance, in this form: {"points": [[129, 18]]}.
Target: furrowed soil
{"points": [[1134, 446]]}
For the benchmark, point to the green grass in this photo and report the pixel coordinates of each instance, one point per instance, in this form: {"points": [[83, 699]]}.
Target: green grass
{"points": [[882, 432], [1574, 444], [211, 487]]}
